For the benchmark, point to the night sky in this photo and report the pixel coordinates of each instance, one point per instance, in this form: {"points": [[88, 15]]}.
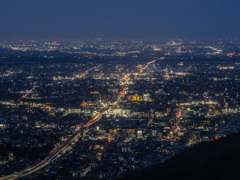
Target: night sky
{"points": [[116, 19]]}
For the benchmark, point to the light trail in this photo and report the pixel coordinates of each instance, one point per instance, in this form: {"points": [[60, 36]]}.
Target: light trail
{"points": [[25, 95], [53, 155]]}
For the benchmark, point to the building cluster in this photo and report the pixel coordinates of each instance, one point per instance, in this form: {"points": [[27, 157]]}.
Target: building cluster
{"points": [[168, 107], [179, 49]]}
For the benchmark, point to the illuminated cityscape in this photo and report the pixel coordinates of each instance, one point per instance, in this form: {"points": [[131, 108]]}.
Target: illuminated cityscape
{"points": [[119, 90], [103, 119]]}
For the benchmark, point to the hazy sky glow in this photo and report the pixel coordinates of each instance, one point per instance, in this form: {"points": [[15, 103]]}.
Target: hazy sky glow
{"points": [[81, 19]]}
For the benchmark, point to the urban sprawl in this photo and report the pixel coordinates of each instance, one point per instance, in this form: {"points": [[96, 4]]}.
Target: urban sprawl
{"points": [[101, 109]]}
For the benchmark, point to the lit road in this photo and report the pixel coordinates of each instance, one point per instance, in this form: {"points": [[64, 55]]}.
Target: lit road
{"points": [[72, 79], [61, 149]]}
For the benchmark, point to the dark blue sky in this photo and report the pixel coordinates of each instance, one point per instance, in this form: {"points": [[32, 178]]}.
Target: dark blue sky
{"points": [[81, 19]]}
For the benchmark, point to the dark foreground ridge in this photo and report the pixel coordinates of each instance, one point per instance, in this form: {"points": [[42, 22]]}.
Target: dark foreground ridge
{"points": [[210, 160]]}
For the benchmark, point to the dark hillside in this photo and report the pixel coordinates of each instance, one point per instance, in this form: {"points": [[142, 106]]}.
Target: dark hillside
{"points": [[212, 160]]}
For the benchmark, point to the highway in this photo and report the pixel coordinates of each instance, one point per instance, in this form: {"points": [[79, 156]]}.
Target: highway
{"points": [[61, 149]]}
